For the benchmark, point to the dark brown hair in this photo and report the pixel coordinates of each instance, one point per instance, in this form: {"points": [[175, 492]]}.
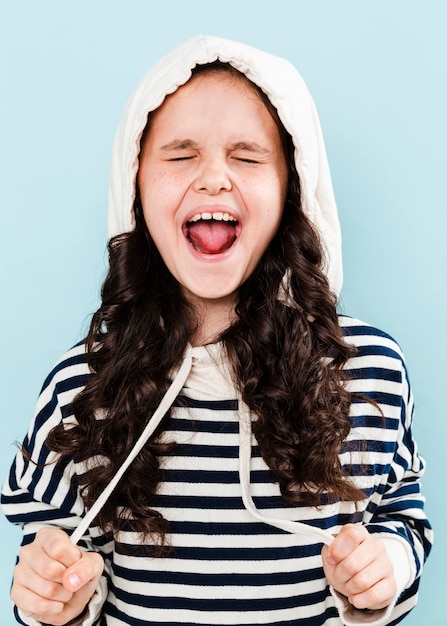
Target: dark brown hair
{"points": [[287, 360]]}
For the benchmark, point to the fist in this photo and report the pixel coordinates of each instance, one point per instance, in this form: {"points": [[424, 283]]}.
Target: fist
{"points": [[356, 564], [54, 580]]}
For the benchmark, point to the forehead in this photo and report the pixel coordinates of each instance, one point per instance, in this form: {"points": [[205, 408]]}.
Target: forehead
{"points": [[225, 73], [212, 96], [200, 85]]}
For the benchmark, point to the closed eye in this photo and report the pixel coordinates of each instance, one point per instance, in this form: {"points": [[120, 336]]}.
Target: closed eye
{"points": [[246, 160], [180, 158]]}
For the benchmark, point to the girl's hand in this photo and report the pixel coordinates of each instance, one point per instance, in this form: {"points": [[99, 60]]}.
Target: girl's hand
{"points": [[54, 580], [356, 564]]}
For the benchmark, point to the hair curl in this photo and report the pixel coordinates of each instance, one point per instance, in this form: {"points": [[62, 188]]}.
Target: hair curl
{"points": [[287, 359]]}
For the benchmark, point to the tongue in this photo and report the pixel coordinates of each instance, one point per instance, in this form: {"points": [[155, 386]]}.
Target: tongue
{"points": [[211, 237]]}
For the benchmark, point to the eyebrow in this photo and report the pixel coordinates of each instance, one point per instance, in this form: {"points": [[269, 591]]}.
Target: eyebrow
{"points": [[185, 144], [250, 146], [179, 144]]}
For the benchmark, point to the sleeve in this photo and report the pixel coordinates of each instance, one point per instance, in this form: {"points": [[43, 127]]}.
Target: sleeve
{"points": [[395, 511], [39, 492]]}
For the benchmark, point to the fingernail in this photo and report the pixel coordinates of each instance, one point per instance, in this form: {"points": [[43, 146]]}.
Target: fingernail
{"points": [[75, 581]]}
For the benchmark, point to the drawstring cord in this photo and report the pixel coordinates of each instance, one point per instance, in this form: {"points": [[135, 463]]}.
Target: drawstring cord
{"points": [[166, 402], [244, 475], [244, 464]]}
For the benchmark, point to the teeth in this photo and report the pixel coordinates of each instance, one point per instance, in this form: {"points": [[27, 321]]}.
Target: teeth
{"points": [[218, 216]]}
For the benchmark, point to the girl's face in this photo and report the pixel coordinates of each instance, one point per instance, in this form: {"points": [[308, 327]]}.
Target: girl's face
{"points": [[212, 180]]}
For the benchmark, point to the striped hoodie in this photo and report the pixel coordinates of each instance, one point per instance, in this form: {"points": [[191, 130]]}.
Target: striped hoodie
{"points": [[239, 553]]}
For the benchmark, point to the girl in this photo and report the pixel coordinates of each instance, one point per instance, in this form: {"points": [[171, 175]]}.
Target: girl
{"points": [[223, 448]]}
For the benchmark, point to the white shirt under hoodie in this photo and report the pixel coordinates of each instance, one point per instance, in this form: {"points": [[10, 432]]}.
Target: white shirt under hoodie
{"points": [[240, 554]]}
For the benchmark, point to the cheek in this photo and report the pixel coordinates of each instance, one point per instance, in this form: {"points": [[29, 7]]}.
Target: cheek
{"points": [[163, 189], [269, 196], [151, 186], [156, 199]]}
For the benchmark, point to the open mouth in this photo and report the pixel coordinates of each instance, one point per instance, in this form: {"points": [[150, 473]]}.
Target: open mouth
{"points": [[211, 233]]}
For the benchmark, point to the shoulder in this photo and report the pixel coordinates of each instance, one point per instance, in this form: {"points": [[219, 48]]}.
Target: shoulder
{"points": [[369, 340], [70, 373], [377, 371], [378, 357], [67, 378]]}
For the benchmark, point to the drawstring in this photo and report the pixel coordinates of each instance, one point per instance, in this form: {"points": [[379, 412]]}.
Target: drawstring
{"points": [[166, 402], [244, 474], [244, 464]]}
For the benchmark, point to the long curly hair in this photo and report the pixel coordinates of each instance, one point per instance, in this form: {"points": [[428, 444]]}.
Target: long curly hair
{"points": [[286, 353]]}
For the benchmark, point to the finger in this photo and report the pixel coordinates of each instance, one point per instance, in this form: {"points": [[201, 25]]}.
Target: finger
{"points": [[41, 609], [367, 577], [349, 538], [85, 571], [56, 544], [27, 581], [34, 605], [32, 558], [358, 564], [375, 597]]}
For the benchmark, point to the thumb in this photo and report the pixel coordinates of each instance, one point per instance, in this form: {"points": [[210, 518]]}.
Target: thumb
{"points": [[85, 571], [329, 565], [328, 559]]}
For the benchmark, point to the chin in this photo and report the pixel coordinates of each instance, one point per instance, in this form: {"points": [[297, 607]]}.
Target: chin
{"points": [[212, 294]]}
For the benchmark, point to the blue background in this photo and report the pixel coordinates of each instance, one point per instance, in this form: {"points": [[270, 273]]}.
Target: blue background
{"points": [[377, 71]]}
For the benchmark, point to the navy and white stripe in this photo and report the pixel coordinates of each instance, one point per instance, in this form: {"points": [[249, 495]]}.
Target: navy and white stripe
{"points": [[224, 566]]}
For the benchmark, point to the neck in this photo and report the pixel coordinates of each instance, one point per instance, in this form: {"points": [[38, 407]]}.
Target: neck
{"points": [[214, 316]]}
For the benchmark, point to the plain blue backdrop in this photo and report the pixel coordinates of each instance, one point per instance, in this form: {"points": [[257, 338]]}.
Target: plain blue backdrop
{"points": [[378, 73]]}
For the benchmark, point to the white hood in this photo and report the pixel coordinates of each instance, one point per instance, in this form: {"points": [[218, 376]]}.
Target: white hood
{"points": [[285, 88]]}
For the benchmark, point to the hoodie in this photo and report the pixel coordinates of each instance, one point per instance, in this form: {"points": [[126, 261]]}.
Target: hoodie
{"points": [[240, 553]]}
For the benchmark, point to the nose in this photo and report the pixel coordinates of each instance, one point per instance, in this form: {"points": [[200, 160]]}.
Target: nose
{"points": [[213, 177]]}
